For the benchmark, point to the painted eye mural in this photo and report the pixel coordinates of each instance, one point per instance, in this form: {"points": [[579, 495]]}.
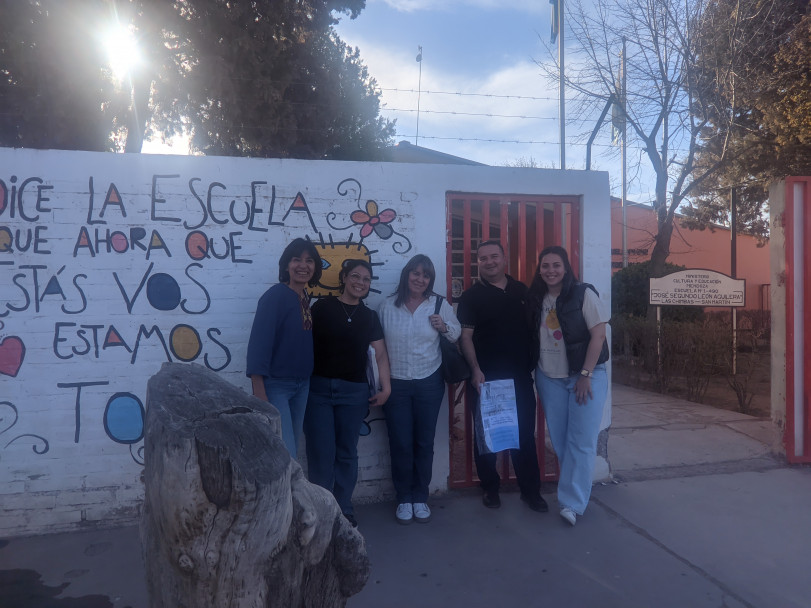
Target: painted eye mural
{"points": [[332, 256], [370, 221]]}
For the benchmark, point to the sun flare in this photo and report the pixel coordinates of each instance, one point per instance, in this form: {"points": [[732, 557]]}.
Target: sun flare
{"points": [[122, 51]]}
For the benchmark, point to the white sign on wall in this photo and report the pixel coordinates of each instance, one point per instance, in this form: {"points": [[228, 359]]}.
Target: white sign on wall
{"points": [[697, 287]]}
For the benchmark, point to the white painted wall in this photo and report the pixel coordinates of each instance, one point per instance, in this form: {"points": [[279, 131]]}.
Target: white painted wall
{"points": [[65, 302]]}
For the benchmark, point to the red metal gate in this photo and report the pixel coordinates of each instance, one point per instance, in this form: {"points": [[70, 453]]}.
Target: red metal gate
{"points": [[523, 225]]}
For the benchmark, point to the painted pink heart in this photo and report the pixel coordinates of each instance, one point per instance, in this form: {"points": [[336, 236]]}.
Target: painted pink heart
{"points": [[12, 353]]}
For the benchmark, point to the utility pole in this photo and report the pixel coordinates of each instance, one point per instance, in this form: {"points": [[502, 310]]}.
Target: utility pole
{"points": [[562, 88], [733, 267], [624, 161], [419, 92], [557, 32]]}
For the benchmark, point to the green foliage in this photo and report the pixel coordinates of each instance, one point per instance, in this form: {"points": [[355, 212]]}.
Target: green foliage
{"points": [[630, 289], [687, 355], [682, 358], [54, 92], [267, 78], [753, 70]]}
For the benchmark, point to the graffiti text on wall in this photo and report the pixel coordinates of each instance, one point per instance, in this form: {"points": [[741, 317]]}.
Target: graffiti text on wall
{"points": [[148, 256]]}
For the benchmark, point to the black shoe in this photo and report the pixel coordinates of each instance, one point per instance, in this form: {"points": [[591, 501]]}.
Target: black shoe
{"points": [[491, 500], [535, 502], [351, 519]]}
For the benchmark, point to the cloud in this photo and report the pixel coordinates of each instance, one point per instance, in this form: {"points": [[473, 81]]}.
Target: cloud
{"points": [[459, 113]]}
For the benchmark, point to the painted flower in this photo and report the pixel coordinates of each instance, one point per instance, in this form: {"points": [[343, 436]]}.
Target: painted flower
{"points": [[374, 220]]}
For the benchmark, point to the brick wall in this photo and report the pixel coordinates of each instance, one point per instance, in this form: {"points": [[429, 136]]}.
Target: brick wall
{"points": [[111, 265]]}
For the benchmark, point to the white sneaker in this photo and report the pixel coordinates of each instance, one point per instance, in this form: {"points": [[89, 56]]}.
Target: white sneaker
{"points": [[404, 513], [422, 513], [569, 515]]}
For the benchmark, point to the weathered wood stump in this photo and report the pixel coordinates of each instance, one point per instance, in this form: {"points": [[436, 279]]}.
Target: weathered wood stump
{"points": [[229, 519]]}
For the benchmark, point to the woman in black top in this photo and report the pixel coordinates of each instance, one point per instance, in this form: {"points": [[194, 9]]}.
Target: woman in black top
{"points": [[343, 330]]}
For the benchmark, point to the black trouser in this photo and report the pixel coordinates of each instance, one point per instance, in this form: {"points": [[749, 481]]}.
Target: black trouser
{"points": [[525, 459]]}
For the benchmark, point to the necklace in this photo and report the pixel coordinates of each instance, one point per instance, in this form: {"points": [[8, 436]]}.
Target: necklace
{"points": [[349, 314]]}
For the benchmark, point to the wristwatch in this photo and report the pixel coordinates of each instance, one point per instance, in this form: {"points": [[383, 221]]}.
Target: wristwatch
{"points": [[586, 373]]}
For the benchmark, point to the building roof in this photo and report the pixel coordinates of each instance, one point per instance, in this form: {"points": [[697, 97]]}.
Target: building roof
{"points": [[405, 152]]}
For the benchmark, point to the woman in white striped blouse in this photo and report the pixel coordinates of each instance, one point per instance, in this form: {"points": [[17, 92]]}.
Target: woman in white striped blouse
{"points": [[411, 330]]}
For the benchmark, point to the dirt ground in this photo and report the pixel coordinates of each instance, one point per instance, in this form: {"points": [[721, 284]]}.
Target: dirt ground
{"points": [[754, 368]]}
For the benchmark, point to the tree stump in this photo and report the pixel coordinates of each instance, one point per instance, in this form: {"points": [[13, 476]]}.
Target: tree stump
{"points": [[229, 519]]}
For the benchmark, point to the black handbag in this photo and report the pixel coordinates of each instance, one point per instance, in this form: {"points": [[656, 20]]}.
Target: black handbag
{"points": [[454, 366]]}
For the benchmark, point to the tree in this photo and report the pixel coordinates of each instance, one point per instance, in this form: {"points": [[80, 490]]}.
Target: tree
{"points": [[753, 68], [261, 79], [54, 89], [256, 78], [661, 107], [524, 162]]}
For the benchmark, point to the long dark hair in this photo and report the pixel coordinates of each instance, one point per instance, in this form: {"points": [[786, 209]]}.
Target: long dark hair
{"points": [[348, 266], [402, 287], [294, 250], [538, 289]]}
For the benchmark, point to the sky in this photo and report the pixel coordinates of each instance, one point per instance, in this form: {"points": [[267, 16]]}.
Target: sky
{"points": [[481, 90], [485, 54], [475, 50]]}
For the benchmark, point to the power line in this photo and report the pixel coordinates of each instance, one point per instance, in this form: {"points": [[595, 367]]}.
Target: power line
{"points": [[468, 113], [500, 141], [460, 94]]}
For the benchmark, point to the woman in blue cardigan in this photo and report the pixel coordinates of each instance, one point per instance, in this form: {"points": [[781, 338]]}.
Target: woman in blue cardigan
{"points": [[280, 349]]}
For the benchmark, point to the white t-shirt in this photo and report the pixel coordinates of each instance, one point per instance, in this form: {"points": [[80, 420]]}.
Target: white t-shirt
{"points": [[553, 362]]}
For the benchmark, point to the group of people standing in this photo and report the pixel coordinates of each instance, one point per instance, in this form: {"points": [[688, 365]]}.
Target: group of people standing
{"points": [[556, 328], [311, 364]]}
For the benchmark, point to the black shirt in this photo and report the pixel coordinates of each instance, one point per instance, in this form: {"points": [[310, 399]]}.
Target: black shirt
{"points": [[341, 338], [502, 336]]}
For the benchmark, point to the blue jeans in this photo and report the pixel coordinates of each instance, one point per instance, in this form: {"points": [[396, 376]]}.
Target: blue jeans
{"points": [[574, 429], [335, 411], [411, 414], [289, 396]]}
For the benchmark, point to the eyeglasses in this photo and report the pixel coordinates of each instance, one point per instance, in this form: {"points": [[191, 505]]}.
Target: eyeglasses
{"points": [[357, 277]]}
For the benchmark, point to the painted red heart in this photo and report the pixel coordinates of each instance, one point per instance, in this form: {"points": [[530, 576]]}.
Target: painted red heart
{"points": [[12, 353]]}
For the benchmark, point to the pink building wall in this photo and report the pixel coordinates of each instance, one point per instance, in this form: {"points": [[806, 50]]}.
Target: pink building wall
{"points": [[707, 248]]}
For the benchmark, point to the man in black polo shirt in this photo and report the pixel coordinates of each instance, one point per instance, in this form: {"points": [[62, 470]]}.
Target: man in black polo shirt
{"points": [[497, 343]]}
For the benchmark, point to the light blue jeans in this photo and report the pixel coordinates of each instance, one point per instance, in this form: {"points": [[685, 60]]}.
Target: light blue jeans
{"points": [[573, 429], [289, 396]]}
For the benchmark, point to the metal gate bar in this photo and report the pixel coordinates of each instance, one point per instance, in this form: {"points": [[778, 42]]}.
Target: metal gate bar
{"points": [[798, 319]]}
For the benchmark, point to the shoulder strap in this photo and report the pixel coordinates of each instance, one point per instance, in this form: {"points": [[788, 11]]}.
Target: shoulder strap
{"points": [[438, 304]]}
